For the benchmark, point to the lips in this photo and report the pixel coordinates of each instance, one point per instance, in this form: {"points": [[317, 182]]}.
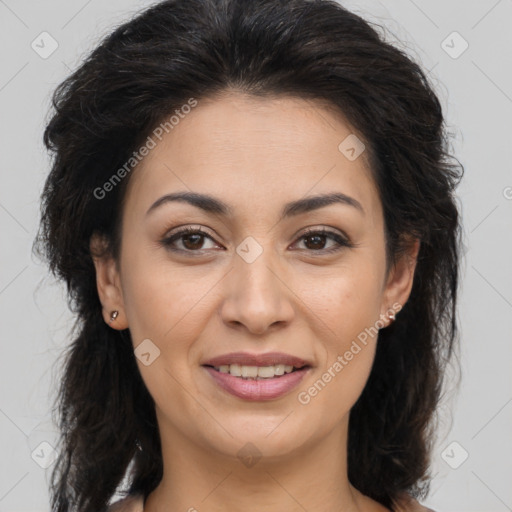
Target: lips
{"points": [[258, 389], [266, 359]]}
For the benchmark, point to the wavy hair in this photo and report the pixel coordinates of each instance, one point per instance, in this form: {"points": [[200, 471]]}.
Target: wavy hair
{"points": [[137, 76]]}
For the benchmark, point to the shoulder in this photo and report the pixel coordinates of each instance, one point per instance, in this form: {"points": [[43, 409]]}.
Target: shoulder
{"points": [[134, 503], [407, 503]]}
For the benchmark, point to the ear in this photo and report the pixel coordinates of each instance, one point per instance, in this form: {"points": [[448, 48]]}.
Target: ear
{"points": [[108, 282], [400, 279]]}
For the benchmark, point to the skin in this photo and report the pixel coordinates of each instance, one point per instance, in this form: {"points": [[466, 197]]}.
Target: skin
{"points": [[255, 155]]}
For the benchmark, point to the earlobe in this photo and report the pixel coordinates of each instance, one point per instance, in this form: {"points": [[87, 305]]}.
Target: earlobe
{"points": [[400, 281], [108, 284]]}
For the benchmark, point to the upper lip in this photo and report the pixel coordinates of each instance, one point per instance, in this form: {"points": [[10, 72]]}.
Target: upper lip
{"points": [[266, 359]]}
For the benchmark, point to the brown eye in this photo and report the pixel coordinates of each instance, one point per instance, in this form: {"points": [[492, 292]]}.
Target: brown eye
{"points": [[191, 239], [315, 241]]}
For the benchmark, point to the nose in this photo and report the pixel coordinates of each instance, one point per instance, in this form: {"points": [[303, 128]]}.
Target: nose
{"points": [[258, 297]]}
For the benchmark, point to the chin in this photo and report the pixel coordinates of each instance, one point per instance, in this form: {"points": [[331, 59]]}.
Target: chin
{"points": [[255, 435]]}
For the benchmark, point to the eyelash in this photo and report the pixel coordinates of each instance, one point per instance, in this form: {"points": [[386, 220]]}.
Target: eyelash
{"points": [[340, 240]]}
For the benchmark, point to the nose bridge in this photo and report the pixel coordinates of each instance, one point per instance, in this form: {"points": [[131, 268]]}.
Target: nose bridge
{"points": [[254, 270], [257, 296]]}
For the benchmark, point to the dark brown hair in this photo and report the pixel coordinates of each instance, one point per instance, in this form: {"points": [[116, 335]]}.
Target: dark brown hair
{"points": [[138, 75]]}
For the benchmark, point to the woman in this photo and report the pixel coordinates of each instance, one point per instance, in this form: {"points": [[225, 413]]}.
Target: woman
{"points": [[252, 206]]}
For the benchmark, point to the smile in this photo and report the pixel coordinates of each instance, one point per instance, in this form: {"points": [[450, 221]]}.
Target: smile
{"points": [[255, 372], [256, 383]]}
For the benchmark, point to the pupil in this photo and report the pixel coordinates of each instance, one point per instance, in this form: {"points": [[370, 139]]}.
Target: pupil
{"points": [[194, 244], [317, 238]]}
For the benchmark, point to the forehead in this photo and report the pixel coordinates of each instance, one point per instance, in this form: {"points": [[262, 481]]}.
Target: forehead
{"points": [[252, 147]]}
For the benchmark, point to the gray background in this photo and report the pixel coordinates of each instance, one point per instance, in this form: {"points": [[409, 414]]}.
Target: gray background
{"points": [[475, 88]]}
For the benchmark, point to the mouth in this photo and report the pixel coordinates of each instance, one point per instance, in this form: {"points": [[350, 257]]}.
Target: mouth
{"points": [[247, 372], [257, 383]]}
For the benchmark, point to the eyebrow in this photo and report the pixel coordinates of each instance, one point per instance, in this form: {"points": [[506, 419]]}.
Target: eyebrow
{"points": [[215, 206]]}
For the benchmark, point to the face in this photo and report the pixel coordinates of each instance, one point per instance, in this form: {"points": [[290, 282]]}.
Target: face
{"points": [[307, 281]]}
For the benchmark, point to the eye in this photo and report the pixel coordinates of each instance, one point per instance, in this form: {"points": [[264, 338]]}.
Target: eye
{"points": [[192, 240], [314, 239]]}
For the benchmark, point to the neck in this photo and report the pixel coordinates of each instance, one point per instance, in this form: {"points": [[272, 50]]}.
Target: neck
{"points": [[313, 477]]}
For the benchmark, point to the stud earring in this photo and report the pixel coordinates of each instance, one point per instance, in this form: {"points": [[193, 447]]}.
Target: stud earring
{"points": [[113, 315], [391, 317]]}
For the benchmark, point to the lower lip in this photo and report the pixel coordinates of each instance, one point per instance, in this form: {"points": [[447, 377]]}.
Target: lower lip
{"points": [[256, 390]]}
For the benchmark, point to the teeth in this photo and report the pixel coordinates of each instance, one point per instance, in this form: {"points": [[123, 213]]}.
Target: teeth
{"points": [[279, 369], [255, 372], [249, 371]]}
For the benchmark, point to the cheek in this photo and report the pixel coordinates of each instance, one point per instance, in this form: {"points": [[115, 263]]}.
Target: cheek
{"points": [[348, 307], [346, 365], [153, 291], [164, 302], [163, 305], [354, 321], [345, 377], [347, 301]]}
